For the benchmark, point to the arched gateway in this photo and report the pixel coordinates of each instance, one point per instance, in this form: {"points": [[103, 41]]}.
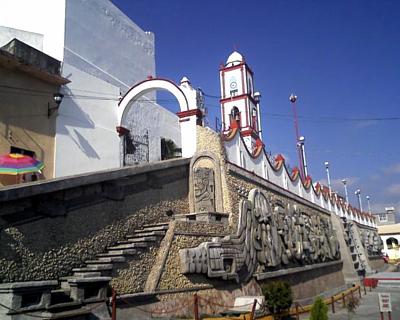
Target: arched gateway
{"points": [[190, 103]]}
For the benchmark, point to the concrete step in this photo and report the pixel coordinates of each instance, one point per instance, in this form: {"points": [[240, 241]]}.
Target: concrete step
{"points": [[139, 239], [83, 274], [94, 268], [115, 253], [155, 228], [146, 233], [156, 224], [116, 259], [132, 245], [89, 280], [66, 310]]}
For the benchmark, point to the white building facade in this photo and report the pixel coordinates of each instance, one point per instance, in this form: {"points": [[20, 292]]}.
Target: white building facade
{"points": [[104, 54]]}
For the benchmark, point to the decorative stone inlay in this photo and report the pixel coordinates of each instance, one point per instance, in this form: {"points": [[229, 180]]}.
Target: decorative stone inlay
{"points": [[269, 236], [204, 190], [371, 242]]}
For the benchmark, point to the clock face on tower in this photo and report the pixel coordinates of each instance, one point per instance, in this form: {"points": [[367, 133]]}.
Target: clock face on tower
{"points": [[232, 83]]}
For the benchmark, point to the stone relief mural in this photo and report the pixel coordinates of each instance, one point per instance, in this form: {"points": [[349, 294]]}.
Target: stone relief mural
{"points": [[270, 236], [204, 190], [371, 242]]}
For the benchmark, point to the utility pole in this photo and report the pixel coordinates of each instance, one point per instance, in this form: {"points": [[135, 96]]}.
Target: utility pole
{"points": [[293, 99]]}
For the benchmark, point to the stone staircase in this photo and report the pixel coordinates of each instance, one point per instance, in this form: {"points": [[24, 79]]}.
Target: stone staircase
{"points": [[356, 249], [89, 283]]}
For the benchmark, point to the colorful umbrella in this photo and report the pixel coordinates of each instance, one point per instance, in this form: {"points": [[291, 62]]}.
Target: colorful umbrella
{"points": [[14, 163]]}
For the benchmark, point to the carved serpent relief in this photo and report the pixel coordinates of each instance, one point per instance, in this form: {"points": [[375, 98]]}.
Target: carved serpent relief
{"points": [[269, 236], [372, 242]]}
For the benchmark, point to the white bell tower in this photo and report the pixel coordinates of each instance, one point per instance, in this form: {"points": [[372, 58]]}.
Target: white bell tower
{"points": [[239, 103]]}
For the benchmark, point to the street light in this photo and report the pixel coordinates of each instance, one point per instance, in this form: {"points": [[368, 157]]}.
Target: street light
{"points": [[344, 181], [369, 205], [328, 176], [300, 144], [293, 99], [257, 98], [358, 194]]}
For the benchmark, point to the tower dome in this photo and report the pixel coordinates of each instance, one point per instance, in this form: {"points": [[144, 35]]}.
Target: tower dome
{"points": [[234, 59]]}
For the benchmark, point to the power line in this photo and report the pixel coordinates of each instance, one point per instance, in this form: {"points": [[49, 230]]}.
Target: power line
{"points": [[35, 92]]}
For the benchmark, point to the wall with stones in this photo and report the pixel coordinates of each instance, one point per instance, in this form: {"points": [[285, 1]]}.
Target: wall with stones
{"points": [[50, 227], [236, 184]]}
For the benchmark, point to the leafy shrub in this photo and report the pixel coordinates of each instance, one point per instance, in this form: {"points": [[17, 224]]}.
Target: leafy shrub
{"points": [[352, 304], [319, 310], [278, 296]]}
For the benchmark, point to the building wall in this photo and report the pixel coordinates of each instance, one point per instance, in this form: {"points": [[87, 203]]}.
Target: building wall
{"points": [[390, 218], [86, 138], [23, 116], [394, 251], [104, 54], [102, 41], [45, 17]]}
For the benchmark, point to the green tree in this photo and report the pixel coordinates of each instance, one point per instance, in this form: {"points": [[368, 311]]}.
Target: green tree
{"points": [[319, 310], [278, 297], [168, 149]]}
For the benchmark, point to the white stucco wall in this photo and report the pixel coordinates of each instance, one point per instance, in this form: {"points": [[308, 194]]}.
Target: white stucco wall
{"points": [[393, 253], [45, 17], [102, 41], [86, 138]]}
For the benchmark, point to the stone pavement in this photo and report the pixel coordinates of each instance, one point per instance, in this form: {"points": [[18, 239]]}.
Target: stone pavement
{"points": [[369, 307]]}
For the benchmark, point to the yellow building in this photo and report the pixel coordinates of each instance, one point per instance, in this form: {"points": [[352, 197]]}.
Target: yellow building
{"points": [[29, 88]]}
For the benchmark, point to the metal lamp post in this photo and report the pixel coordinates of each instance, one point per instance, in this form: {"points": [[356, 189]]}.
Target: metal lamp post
{"points": [[300, 144], [328, 176], [293, 99], [344, 181], [257, 98], [369, 204], [358, 194]]}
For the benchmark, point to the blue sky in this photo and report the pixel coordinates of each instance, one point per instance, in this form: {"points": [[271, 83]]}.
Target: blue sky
{"points": [[342, 59]]}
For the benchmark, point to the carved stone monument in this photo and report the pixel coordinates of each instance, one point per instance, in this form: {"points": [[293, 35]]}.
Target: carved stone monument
{"points": [[204, 190], [269, 236]]}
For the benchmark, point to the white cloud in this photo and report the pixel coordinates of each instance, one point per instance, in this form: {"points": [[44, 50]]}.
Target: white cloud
{"points": [[366, 124], [393, 169], [394, 189], [337, 184]]}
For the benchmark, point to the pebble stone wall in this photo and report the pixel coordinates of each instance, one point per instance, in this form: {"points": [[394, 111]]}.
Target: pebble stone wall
{"points": [[84, 235]]}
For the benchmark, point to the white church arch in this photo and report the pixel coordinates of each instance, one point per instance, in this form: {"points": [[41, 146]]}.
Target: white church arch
{"points": [[147, 86]]}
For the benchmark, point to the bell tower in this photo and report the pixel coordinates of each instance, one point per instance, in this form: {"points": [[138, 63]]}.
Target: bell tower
{"points": [[239, 103]]}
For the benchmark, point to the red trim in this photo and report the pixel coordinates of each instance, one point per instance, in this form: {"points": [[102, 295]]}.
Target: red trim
{"points": [[249, 132], [238, 97], [225, 69], [122, 131], [243, 87], [223, 117], [188, 113], [223, 83]]}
